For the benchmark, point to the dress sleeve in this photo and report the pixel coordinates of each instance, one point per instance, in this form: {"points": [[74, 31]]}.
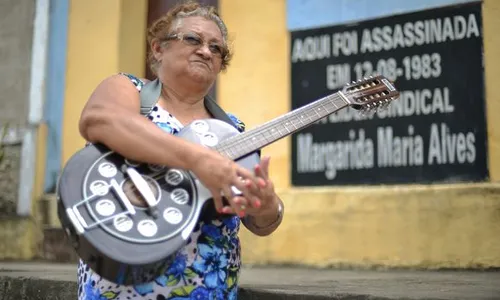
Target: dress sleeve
{"points": [[136, 81], [239, 124]]}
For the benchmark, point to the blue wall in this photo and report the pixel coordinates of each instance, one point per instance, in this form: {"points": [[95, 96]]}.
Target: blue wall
{"points": [[55, 86], [304, 14]]}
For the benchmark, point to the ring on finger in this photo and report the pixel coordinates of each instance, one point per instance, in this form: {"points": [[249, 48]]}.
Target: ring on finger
{"points": [[243, 207]]}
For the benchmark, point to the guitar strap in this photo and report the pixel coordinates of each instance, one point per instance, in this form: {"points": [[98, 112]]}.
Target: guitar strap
{"points": [[150, 93]]}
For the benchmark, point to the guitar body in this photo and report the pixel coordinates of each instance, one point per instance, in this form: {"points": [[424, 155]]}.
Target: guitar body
{"points": [[112, 227]]}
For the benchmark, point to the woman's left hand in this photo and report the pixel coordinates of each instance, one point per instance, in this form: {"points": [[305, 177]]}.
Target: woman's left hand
{"points": [[264, 199]]}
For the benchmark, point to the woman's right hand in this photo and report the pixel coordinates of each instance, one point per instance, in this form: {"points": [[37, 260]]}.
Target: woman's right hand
{"points": [[219, 174]]}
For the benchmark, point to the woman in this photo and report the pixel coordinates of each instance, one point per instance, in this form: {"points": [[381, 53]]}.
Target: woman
{"points": [[188, 49]]}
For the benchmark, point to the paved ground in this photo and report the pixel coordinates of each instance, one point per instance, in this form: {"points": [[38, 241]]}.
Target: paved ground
{"points": [[56, 281]]}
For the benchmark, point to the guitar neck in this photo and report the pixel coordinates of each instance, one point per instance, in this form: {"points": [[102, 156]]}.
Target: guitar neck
{"points": [[280, 127]]}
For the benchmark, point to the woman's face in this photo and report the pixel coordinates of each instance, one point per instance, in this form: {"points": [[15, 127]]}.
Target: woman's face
{"points": [[193, 53]]}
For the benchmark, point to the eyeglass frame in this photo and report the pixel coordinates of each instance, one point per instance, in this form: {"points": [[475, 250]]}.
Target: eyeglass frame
{"points": [[181, 37]]}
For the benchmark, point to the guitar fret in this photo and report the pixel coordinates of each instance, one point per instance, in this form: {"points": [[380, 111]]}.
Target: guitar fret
{"points": [[324, 107], [230, 152]]}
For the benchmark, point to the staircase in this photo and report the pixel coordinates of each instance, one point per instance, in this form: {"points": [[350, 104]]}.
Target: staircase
{"points": [[55, 246]]}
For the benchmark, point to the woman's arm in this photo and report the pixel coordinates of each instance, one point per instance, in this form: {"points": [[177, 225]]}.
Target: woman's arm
{"points": [[267, 223], [111, 117]]}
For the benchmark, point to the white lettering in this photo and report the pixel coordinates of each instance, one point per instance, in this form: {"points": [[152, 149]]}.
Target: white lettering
{"points": [[472, 29], [434, 146], [447, 147], [419, 102], [330, 157], [460, 27], [394, 151], [337, 76], [418, 33], [311, 48], [345, 43]]}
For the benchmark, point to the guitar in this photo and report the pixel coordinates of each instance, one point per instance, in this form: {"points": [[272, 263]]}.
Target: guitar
{"points": [[127, 219]]}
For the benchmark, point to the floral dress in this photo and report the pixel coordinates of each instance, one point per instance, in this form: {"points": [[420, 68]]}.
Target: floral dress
{"points": [[207, 267]]}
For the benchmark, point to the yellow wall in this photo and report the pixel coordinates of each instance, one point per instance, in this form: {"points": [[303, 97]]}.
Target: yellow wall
{"points": [[409, 225], [104, 37], [256, 84], [424, 226], [491, 23]]}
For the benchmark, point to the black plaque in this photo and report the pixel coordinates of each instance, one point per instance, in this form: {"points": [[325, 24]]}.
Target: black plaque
{"points": [[434, 133]]}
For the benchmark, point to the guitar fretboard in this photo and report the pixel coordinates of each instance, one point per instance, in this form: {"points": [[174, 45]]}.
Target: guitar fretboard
{"points": [[280, 127]]}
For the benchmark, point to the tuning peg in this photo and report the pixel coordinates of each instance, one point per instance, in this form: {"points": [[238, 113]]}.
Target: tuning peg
{"points": [[384, 105]]}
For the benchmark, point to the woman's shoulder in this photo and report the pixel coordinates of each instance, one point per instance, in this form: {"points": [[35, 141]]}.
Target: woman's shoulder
{"points": [[140, 82]]}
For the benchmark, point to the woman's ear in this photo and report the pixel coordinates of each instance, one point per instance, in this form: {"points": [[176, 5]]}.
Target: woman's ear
{"points": [[157, 49]]}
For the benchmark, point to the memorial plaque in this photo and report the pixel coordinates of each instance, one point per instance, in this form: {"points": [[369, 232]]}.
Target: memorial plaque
{"points": [[434, 133]]}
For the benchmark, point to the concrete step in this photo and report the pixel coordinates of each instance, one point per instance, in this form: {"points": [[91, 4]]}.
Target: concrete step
{"points": [[22, 281], [20, 238], [47, 210], [55, 245]]}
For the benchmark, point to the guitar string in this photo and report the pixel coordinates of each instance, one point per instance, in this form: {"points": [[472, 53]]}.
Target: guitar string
{"points": [[259, 131], [241, 142], [328, 100], [246, 140]]}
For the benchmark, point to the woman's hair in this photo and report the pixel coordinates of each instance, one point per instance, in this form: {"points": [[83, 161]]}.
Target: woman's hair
{"points": [[161, 27]]}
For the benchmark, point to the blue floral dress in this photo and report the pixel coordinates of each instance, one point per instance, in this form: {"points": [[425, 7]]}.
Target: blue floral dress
{"points": [[207, 267]]}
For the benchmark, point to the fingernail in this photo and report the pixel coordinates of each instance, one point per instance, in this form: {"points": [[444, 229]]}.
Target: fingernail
{"points": [[257, 203], [242, 214], [262, 182]]}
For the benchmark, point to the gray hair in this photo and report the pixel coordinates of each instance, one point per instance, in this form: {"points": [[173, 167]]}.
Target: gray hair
{"points": [[205, 13]]}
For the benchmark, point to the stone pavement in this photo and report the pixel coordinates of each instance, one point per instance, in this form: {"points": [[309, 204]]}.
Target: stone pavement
{"points": [[46, 281]]}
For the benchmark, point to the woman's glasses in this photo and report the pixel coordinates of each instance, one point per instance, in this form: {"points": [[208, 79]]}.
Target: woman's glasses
{"points": [[194, 40]]}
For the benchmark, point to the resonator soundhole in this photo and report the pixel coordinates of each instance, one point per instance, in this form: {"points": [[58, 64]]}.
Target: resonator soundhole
{"points": [[174, 177], [172, 215], [180, 196], [105, 207]]}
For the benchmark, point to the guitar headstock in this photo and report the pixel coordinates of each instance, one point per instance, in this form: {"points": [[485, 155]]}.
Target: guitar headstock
{"points": [[367, 94]]}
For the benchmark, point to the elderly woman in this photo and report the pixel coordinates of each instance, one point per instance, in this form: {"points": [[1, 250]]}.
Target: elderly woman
{"points": [[188, 49]]}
